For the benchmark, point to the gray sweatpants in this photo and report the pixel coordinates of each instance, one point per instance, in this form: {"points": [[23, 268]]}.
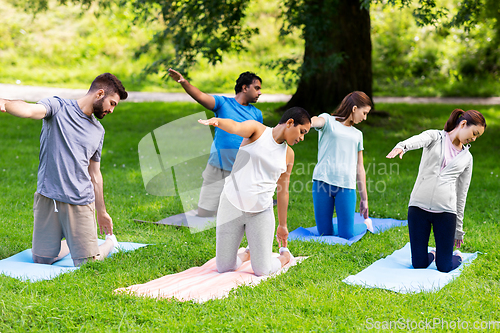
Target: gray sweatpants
{"points": [[232, 223]]}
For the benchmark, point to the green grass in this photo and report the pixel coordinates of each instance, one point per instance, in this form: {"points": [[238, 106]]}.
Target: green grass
{"points": [[310, 297]]}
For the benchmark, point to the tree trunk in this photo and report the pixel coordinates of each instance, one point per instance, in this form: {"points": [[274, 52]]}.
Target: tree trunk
{"points": [[337, 57]]}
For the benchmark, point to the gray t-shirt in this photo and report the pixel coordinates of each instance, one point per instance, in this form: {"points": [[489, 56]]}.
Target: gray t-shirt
{"points": [[68, 141]]}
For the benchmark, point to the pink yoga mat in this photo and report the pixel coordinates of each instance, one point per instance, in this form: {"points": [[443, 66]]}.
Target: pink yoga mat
{"points": [[201, 284]]}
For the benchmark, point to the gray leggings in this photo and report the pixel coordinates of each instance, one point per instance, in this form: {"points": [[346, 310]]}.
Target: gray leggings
{"points": [[259, 228]]}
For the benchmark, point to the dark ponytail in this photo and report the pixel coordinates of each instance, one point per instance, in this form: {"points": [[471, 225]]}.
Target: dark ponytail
{"points": [[472, 117]]}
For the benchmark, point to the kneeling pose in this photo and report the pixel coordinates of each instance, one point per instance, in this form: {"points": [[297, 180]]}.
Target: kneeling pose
{"points": [[263, 164], [438, 197]]}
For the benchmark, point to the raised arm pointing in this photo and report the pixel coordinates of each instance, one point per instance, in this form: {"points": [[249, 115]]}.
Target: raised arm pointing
{"points": [[204, 99]]}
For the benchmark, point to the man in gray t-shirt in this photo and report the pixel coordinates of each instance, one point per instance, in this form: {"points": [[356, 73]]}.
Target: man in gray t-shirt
{"points": [[70, 187]]}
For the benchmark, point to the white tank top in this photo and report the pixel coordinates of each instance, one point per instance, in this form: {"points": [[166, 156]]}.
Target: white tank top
{"points": [[257, 168]]}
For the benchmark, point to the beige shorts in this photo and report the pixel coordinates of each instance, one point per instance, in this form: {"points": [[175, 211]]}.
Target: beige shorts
{"points": [[213, 183], [75, 223]]}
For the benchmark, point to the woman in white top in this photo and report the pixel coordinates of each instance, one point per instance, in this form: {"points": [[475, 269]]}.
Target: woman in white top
{"points": [[263, 164], [438, 197], [340, 166]]}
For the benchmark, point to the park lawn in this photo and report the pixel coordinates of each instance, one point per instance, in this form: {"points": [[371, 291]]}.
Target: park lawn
{"points": [[310, 297]]}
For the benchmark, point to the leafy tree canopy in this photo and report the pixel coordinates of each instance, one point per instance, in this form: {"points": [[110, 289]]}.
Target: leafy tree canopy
{"points": [[211, 28]]}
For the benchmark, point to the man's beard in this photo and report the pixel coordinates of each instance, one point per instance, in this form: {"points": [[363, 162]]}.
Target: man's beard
{"points": [[98, 109]]}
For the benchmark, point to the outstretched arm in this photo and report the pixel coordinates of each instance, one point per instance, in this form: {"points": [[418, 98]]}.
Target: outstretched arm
{"points": [[22, 109], [103, 218], [395, 152], [361, 179], [282, 189], [248, 129], [206, 100], [317, 122], [418, 141]]}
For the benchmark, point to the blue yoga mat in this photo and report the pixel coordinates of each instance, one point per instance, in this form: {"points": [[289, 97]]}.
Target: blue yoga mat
{"points": [[396, 273], [312, 234], [21, 266]]}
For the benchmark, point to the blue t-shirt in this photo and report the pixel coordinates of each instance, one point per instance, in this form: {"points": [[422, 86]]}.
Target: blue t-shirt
{"points": [[68, 141], [225, 145], [338, 147]]}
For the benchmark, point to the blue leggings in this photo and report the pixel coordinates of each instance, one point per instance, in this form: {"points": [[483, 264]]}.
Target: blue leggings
{"points": [[325, 198], [419, 227]]}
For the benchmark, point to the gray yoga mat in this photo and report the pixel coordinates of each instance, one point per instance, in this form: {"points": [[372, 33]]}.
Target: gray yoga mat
{"points": [[188, 219]]}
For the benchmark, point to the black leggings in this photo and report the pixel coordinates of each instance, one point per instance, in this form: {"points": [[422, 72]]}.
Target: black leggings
{"points": [[444, 225]]}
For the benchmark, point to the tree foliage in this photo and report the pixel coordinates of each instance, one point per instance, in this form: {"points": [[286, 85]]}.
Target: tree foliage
{"points": [[211, 28], [203, 27]]}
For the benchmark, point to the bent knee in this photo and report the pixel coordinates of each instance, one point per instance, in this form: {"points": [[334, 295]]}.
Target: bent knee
{"points": [[419, 264], [444, 268], [262, 270], [79, 262], [42, 260], [227, 265], [266, 268], [225, 268], [422, 261]]}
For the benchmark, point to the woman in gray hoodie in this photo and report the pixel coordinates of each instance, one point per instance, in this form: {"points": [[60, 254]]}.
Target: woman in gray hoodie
{"points": [[438, 197]]}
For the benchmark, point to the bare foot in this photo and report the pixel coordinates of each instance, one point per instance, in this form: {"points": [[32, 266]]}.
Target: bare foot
{"points": [[433, 251], [244, 254], [285, 256], [458, 253], [109, 247], [369, 224]]}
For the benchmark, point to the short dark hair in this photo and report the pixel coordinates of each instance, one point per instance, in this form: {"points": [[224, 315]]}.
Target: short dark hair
{"points": [[110, 84], [299, 115], [245, 79]]}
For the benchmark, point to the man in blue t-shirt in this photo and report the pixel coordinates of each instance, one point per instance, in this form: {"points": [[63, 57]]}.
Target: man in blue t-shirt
{"points": [[225, 145], [70, 186]]}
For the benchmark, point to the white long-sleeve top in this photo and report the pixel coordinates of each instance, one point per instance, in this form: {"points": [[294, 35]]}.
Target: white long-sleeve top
{"points": [[439, 189]]}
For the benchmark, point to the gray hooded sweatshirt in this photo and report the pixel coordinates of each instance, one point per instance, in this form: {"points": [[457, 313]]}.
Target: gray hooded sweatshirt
{"points": [[435, 189]]}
